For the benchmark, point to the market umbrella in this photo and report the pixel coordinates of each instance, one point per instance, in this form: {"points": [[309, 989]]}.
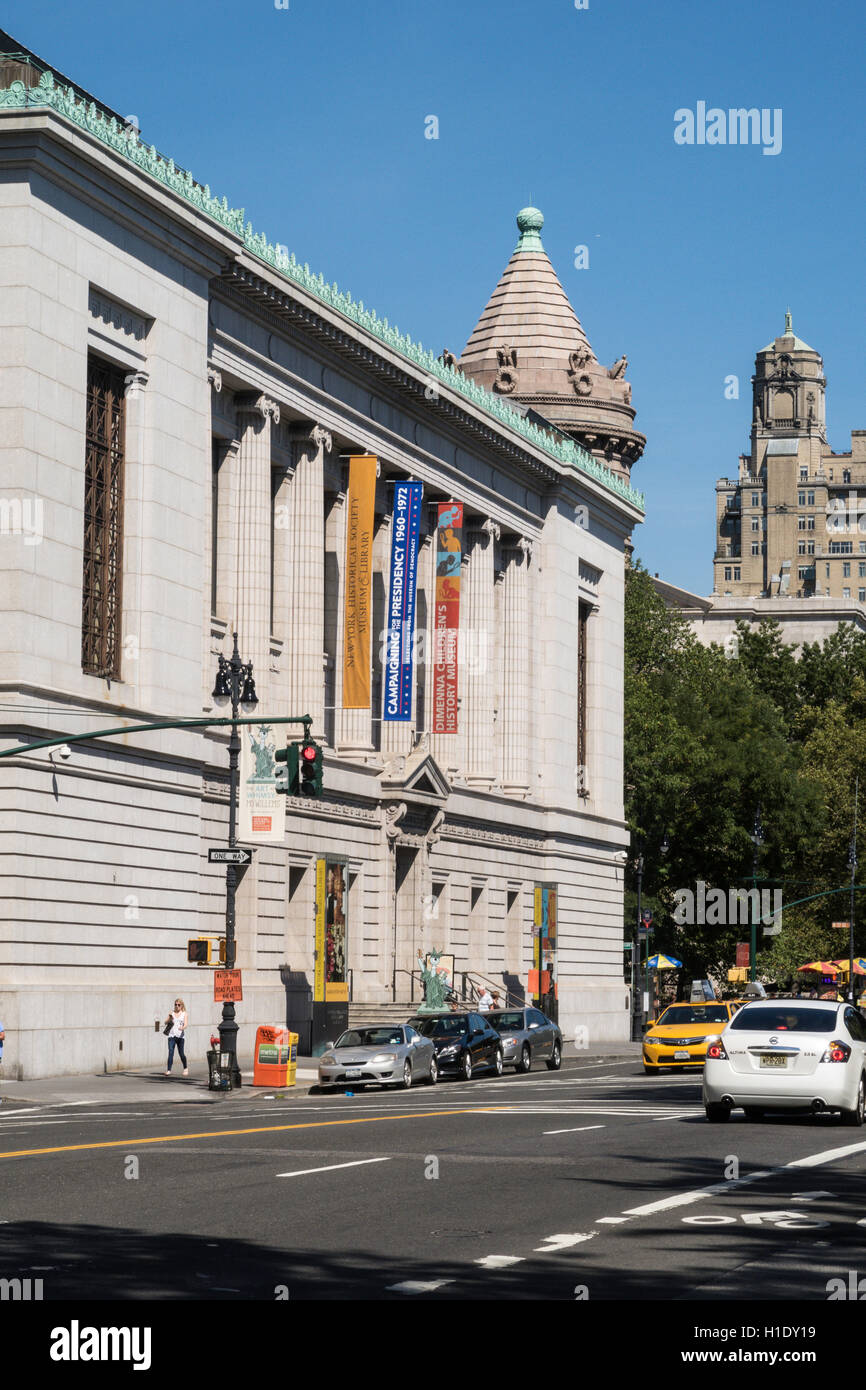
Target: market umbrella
{"points": [[664, 963], [859, 966], [823, 967]]}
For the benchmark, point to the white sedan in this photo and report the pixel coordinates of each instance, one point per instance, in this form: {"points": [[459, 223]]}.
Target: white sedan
{"points": [[788, 1054]]}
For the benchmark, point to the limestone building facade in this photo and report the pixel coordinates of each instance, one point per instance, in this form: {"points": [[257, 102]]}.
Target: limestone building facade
{"points": [[179, 401], [788, 526]]}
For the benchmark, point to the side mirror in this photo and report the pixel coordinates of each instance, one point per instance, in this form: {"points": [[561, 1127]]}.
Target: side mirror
{"points": [[328, 1046]]}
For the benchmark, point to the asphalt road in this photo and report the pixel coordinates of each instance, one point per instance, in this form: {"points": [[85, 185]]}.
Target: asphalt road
{"points": [[592, 1183]]}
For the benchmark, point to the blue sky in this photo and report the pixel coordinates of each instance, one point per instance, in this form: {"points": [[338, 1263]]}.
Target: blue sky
{"points": [[313, 118]]}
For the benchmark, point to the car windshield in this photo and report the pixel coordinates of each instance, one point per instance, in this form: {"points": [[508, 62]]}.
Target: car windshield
{"points": [[370, 1037], [506, 1023], [784, 1018], [440, 1027], [694, 1013]]}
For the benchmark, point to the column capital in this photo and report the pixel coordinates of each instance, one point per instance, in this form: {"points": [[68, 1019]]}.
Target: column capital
{"points": [[314, 435], [215, 379], [253, 404], [135, 383]]}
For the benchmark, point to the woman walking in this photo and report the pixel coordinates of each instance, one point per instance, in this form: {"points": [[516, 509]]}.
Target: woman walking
{"points": [[178, 1020]]}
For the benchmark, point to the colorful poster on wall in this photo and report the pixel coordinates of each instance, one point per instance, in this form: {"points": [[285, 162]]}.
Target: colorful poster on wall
{"points": [[336, 926], [446, 619], [359, 569], [544, 943], [262, 811], [401, 601]]}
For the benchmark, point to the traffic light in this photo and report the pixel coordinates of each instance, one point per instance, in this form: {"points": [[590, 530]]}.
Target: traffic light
{"points": [[198, 951], [311, 769], [289, 756]]}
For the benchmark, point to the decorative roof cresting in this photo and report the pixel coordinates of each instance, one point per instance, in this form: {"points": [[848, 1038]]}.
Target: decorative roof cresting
{"points": [[124, 141]]}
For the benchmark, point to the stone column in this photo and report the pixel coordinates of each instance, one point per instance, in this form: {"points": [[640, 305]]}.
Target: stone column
{"points": [[515, 674], [253, 592], [475, 657], [304, 603]]}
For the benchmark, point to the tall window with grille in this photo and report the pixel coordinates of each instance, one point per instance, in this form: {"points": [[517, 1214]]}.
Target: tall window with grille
{"points": [[103, 521], [583, 612]]}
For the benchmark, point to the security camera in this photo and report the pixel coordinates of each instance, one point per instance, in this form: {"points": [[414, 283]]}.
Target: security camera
{"points": [[64, 752]]}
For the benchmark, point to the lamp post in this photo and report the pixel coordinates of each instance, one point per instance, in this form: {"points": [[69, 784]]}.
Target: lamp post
{"points": [[757, 838], [852, 865], [234, 685], [637, 973]]}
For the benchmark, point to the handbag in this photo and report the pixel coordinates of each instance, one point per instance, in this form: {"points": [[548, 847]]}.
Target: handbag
{"points": [[168, 1027]]}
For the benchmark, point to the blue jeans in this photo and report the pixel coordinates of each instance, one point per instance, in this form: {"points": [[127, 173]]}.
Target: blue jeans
{"points": [[172, 1044]]}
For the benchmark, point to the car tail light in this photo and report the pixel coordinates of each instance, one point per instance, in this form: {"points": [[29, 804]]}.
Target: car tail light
{"points": [[837, 1051], [716, 1050]]}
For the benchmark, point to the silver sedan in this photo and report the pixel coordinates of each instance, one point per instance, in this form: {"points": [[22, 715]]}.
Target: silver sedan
{"points": [[527, 1035], [378, 1055]]}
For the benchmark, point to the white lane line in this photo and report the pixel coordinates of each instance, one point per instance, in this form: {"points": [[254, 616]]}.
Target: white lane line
{"points": [[581, 1130], [499, 1261], [331, 1167], [685, 1199], [816, 1160], [610, 1220], [811, 1196], [417, 1285], [563, 1242]]}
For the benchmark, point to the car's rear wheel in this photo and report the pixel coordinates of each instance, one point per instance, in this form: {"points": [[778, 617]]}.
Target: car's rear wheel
{"points": [[555, 1058], [718, 1114], [433, 1074], [525, 1063], [497, 1061], [407, 1074], [465, 1069], [858, 1114]]}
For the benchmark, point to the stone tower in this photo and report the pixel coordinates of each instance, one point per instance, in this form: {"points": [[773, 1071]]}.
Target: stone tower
{"points": [[529, 344]]}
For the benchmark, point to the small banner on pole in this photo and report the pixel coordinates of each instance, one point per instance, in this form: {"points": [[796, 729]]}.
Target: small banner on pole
{"points": [[262, 811], [446, 622], [359, 570], [401, 601]]}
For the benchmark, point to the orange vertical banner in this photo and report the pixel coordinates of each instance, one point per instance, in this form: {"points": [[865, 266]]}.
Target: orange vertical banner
{"points": [[359, 570]]}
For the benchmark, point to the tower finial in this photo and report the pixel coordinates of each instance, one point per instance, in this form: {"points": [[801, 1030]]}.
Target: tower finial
{"points": [[789, 330], [530, 221]]}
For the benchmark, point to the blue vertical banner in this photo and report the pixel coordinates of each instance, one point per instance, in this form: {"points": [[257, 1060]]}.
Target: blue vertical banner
{"points": [[401, 600]]}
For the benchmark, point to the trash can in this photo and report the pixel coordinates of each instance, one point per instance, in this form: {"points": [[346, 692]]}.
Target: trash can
{"points": [[219, 1067]]}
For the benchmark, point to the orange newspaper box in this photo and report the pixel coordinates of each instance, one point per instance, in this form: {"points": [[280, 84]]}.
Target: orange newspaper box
{"points": [[276, 1057]]}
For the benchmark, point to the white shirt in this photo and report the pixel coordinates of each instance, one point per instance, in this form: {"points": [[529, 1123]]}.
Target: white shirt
{"points": [[178, 1024], [485, 1002]]}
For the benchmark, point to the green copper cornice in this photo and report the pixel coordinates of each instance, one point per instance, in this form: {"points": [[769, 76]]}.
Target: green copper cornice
{"points": [[124, 141]]}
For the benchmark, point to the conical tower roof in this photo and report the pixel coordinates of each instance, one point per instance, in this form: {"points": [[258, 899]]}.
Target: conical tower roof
{"points": [[530, 345], [529, 310]]}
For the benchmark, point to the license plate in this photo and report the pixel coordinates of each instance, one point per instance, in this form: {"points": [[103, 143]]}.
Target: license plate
{"points": [[682, 1056], [353, 1073], [772, 1059]]}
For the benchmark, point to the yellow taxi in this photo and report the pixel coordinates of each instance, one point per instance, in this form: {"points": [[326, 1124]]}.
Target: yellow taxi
{"points": [[678, 1038]]}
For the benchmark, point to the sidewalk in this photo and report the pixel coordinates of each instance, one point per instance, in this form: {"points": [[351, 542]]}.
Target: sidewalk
{"points": [[129, 1087], [148, 1084]]}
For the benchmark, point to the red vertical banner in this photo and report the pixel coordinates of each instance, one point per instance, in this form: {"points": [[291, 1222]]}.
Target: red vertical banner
{"points": [[446, 616]]}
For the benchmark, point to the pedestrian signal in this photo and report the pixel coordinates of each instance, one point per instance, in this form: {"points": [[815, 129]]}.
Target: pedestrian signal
{"points": [[198, 951]]}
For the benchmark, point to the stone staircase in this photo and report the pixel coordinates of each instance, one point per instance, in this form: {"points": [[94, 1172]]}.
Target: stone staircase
{"points": [[380, 1013]]}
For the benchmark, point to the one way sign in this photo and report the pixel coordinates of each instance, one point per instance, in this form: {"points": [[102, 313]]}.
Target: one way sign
{"points": [[230, 856]]}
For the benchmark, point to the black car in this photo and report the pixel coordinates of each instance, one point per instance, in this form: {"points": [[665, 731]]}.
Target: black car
{"points": [[464, 1043]]}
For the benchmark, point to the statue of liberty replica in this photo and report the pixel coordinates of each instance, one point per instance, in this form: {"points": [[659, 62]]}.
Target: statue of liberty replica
{"points": [[435, 981]]}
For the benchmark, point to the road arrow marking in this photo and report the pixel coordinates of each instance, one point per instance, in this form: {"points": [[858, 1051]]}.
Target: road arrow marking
{"points": [[789, 1220], [563, 1242], [499, 1261], [417, 1286]]}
